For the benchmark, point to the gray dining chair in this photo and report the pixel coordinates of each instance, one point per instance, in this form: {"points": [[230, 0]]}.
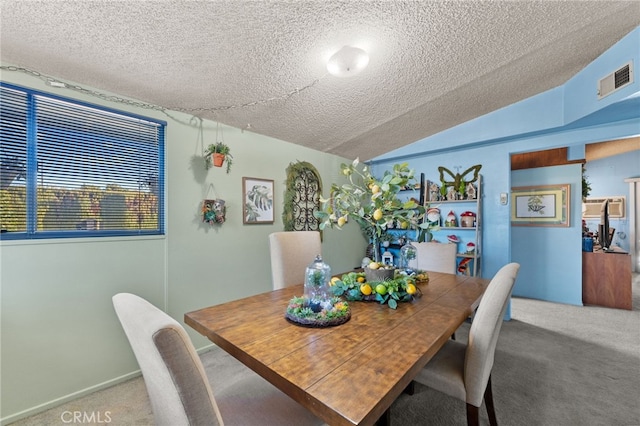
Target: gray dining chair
{"points": [[436, 257], [464, 371], [291, 253], [178, 386]]}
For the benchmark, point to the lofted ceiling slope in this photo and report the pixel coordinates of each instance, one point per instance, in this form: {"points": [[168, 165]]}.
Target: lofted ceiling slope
{"points": [[433, 64]]}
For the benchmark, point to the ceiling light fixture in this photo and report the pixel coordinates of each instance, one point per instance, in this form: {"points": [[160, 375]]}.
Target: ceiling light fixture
{"points": [[347, 61]]}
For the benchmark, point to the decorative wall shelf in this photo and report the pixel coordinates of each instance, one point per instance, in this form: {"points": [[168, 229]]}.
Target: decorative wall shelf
{"points": [[468, 262]]}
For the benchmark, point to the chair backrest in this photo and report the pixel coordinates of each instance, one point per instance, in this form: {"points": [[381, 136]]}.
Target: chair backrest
{"points": [[291, 253], [173, 373], [484, 332], [437, 257]]}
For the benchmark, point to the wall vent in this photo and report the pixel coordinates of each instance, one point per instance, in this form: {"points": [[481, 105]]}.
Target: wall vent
{"points": [[616, 80], [591, 207]]}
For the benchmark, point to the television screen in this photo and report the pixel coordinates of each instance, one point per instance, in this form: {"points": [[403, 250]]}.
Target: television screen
{"points": [[603, 229]]}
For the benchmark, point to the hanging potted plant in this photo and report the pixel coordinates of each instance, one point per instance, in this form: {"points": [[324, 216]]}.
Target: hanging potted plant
{"points": [[217, 154]]}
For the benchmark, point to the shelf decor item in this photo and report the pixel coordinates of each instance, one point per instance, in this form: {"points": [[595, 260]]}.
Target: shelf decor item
{"points": [[467, 233], [468, 219], [433, 216], [451, 221], [372, 202], [456, 187], [387, 258]]}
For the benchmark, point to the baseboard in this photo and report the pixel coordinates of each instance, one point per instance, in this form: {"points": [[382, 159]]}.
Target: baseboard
{"points": [[79, 394], [205, 348], [70, 397]]}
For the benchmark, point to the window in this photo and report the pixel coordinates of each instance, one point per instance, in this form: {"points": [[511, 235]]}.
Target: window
{"points": [[69, 169]]}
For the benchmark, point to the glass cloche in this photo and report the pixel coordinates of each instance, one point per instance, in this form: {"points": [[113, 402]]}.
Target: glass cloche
{"points": [[316, 285], [408, 255]]}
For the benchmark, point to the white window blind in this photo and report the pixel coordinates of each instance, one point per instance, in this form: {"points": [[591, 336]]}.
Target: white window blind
{"points": [[83, 170]]}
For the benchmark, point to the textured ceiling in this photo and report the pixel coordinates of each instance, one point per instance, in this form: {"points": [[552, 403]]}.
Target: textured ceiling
{"points": [[432, 65]]}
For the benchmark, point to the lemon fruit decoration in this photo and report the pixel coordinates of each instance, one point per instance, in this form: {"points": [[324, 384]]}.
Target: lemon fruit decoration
{"points": [[365, 289], [381, 289], [353, 286]]}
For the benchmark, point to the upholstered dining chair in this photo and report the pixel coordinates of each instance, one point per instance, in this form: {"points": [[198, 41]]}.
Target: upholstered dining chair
{"points": [[437, 257], [178, 386], [291, 253], [464, 371]]}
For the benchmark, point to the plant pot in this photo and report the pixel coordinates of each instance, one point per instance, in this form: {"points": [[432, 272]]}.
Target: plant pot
{"points": [[217, 159], [375, 275]]}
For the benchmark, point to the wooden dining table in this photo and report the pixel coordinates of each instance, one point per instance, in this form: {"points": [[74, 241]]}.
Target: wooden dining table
{"points": [[348, 374]]}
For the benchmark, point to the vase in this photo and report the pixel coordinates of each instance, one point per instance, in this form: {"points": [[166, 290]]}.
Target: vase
{"points": [[377, 257]]}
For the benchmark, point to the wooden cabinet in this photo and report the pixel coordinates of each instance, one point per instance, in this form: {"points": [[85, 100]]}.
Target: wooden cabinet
{"points": [[606, 279]]}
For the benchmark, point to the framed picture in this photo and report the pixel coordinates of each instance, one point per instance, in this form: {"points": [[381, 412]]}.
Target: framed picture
{"points": [[257, 200], [546, 205]]}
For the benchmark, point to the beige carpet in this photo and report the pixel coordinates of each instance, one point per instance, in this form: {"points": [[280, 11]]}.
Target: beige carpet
{"points": [[555, 365]]}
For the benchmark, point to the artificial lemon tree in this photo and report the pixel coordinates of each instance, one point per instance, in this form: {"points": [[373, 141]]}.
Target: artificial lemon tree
{"points": [[372, 202]]}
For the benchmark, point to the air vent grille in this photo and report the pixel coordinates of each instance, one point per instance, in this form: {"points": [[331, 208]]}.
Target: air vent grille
{"points": [[621, 76], [616, 80]]}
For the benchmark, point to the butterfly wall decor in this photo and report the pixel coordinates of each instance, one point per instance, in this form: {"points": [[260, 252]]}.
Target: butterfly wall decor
{"points": [[458, 181]]}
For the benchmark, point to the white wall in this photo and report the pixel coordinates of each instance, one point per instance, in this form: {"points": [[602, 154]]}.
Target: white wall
{"points": [[60, 337]]}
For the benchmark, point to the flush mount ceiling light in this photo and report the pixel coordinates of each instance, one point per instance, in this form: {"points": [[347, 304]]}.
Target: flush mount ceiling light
{"points": [[347, 61]]}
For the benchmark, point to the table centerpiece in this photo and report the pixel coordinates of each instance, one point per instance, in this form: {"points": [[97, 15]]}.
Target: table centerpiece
{"points": [[317, 307], [403, 287], [373, 203]]}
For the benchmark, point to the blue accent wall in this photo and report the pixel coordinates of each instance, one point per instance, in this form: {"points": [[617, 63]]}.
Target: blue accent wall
{"points": [[567, 116], [495, 174], [550, 258], [606, 177]]}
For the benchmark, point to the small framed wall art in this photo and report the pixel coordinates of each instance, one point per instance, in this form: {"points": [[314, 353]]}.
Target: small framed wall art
{"points": [[545, 205], [257, 201]]}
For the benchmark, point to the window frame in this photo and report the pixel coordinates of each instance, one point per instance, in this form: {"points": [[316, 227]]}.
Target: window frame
{"points": [[31, 233]]}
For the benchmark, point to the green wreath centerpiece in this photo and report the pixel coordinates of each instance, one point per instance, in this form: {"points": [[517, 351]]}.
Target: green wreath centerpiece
{"points": [[335, 312], [403, 287]]}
